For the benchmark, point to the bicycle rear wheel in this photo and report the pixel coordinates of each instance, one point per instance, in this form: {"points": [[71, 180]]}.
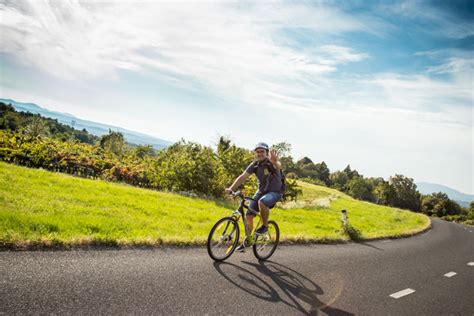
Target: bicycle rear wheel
{"points": [[265, 245], [223, 239]]}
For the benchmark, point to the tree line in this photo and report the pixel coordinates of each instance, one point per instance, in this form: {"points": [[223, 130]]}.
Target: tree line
{"points": [[185, 167], [32, 140], [398, 191]]}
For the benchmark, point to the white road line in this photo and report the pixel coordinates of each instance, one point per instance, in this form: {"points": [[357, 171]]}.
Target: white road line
{"points": [[470, 263], [450, 274], [402, 293]]}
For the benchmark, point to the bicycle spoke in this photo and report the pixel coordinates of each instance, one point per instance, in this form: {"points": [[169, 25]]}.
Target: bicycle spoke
{"points": [[265, 245], [223, 239]]}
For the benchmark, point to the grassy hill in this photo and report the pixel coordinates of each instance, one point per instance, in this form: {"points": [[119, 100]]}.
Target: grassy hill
{"points": [[42, 208]]}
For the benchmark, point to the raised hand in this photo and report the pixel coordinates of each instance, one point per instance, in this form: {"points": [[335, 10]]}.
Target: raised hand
{"points": [[273, 156]]}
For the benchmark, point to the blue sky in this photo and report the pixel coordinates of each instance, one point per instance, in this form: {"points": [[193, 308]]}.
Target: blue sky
{"points": [[384, 86]]}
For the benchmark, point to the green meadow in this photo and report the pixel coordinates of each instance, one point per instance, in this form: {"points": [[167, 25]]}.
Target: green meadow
{"points": [[42, 209]]}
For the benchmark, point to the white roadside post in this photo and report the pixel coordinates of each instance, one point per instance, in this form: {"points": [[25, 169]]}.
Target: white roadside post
{"points": [[345, 219]]}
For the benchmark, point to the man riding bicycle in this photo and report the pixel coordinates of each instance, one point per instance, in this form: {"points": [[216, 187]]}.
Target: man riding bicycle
{"points": [[267, 169]]}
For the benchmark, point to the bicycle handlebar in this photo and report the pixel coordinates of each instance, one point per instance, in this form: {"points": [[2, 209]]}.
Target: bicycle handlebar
{"points": [[240, 194], [236, 193]]}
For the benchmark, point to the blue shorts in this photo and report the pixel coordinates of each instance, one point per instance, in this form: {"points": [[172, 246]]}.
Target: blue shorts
{"points": [[269, 199]]}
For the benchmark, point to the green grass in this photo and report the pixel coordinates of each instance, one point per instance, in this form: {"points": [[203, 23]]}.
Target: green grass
{"points": [[41, 208]]}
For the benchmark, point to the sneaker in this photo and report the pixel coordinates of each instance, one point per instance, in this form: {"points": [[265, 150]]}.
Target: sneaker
{"points": [[262, 230]]}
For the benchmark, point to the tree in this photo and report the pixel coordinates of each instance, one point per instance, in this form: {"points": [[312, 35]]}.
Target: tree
{"points": [[360, 188], [188, 167], [34, 125], [287, 164], [384, 193], [303, 162], [283, 149], [322, 172], [141, 151], [339, 180], [350, 173], [232, 160], [36, 128], [305, 168], [6, 108], [9, 119], [223, 144], [440, 205], [406, 193], [113, 142]]}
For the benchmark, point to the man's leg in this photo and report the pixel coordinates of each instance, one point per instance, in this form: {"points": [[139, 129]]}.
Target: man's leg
{"points": [[250, 223], [254, 206], [249, 218], [264, 204], [264, 211]]}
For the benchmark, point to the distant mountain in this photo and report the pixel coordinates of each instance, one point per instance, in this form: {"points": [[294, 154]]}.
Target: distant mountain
{"points": [[461, 198], [92, 127]]}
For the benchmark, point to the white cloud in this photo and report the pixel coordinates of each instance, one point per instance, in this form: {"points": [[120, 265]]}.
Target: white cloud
{"points": [[205, 41], [341, 54], [432, 18], [226, 49], [422, 93]]}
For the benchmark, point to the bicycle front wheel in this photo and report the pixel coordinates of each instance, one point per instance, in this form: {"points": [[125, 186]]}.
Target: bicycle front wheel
{"points": [[223, 239], [265, 245]]}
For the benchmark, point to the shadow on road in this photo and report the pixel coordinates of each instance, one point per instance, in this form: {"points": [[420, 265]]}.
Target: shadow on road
{"points": [[368, 245], [286, 286]]}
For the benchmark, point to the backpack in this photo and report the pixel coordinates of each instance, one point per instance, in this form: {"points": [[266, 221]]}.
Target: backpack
{"points": [[283, 183]]}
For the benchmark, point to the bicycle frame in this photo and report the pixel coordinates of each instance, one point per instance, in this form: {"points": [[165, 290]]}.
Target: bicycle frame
{"points": [[240, 212]]}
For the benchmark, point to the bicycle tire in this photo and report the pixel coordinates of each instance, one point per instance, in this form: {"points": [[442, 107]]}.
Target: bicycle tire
{"points": [[230, 251], [277, 240]]}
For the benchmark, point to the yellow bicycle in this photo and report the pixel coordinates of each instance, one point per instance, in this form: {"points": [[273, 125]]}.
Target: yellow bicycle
{"points": [[224, 235]]}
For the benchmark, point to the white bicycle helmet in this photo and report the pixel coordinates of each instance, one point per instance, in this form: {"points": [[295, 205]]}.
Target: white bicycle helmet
{"points": [[262, 145]]}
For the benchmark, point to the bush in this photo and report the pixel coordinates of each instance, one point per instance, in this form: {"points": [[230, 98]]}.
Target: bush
{"points": [[440, 205], [361, 189], [182, 167], [293, 190], [190, 167]]}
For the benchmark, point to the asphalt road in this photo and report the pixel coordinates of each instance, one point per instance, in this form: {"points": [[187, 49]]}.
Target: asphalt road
{"points": [[316, 279]]}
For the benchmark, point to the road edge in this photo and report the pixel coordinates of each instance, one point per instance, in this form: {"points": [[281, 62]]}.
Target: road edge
{"points": [[108, 246]]}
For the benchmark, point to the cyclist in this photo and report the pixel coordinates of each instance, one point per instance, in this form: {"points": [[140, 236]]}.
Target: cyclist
{"points": [[267, 169]]}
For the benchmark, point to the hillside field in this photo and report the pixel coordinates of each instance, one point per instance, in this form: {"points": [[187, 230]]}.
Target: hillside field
{"points": [[42, 208]]}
